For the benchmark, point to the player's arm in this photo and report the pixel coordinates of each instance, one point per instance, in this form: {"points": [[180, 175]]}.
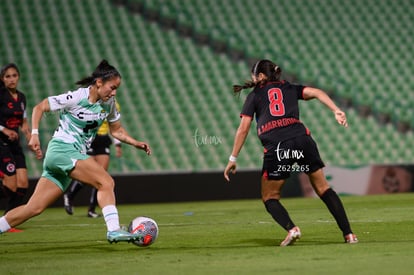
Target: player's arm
{"points": [[311, 93], [239, 139], [25, 129], [119, 132], [37, 113], [118, 148], [241, 135]]}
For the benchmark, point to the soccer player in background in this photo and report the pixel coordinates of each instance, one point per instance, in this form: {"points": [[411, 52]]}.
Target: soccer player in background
{"points": [[288, 145], [12, 116], [81, 113]]}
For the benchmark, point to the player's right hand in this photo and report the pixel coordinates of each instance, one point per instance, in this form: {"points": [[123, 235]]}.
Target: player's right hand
{"points": [[34, 145], [230, 168], [11, 135]]}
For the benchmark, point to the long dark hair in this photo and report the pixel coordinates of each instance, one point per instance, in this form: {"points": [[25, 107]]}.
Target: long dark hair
{"points": [[103, 71], [264, 66], [3, 72]]}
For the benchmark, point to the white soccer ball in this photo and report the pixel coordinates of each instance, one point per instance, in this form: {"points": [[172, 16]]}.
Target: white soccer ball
{"points": [[146, 227]]}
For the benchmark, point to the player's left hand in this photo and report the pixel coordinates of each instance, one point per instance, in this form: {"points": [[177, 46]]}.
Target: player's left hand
{"points": [[144, 146], [340, 116]]}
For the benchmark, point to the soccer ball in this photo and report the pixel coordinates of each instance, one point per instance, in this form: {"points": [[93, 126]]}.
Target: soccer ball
{"points": [[145, 226]]}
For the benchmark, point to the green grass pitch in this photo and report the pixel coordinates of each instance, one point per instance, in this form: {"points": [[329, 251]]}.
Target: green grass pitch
{"points": [[220, 237]]}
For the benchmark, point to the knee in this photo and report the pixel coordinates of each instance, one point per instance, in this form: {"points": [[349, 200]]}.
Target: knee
{"points": [[270, 195], [320, 187], [107, 184], [321, 190], [270, 189], [23, 184], [10, 182], [319, 183]]}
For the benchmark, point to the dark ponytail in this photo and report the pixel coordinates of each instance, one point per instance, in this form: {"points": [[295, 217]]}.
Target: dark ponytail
{"points": [[264, 66], [238, 88], [103, 71]]}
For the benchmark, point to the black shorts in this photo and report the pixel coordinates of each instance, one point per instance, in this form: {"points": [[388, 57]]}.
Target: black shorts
{"points": [[299, 154], [11, 157], [100, 145]]}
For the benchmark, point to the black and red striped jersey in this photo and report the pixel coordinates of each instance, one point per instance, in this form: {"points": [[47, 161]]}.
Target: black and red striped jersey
{"points": [[276, 109], [12, 111]]}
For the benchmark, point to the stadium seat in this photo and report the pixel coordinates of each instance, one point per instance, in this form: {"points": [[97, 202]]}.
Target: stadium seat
{"points": [[173, 85]]}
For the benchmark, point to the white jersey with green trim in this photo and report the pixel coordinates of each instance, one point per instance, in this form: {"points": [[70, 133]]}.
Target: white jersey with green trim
{"points": [[79, 119]]}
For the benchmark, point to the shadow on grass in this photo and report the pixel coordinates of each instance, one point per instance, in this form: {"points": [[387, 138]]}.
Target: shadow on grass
{"points": [[93, 246], [66, 247]]}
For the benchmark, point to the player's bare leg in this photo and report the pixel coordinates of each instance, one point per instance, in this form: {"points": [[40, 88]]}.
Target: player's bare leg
{"points": [[90, 172], [46, 192]]}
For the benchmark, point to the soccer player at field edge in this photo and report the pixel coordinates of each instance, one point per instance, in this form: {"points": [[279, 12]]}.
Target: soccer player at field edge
{"points": [[288, 145], [12, 116], [81, 113]]}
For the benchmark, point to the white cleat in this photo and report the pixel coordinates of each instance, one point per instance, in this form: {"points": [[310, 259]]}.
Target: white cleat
{"points": [[351, 238], [293, 235]]}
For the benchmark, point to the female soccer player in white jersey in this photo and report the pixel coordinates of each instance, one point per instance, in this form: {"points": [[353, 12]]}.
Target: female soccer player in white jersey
{"points": [[81, 113]]}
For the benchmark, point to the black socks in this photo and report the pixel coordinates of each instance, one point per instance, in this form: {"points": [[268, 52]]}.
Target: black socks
{"points": [[73, 189], [15, 198], [334, 204], [93, 200], [330, 198], [20, 196], [279, 213]]}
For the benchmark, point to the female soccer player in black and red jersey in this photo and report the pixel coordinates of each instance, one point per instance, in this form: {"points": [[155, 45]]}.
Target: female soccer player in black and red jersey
{"points": [[12, 116], [287, 144]]}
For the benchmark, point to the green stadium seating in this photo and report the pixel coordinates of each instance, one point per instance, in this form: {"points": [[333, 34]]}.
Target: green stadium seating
{"points": [[175, 85]]}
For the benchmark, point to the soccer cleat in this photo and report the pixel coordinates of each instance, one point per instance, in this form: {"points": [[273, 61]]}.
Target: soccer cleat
{"points": [[293, 235], [351, 238], [68, 204], [121, 236], [93, 214], [14, 230]]}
